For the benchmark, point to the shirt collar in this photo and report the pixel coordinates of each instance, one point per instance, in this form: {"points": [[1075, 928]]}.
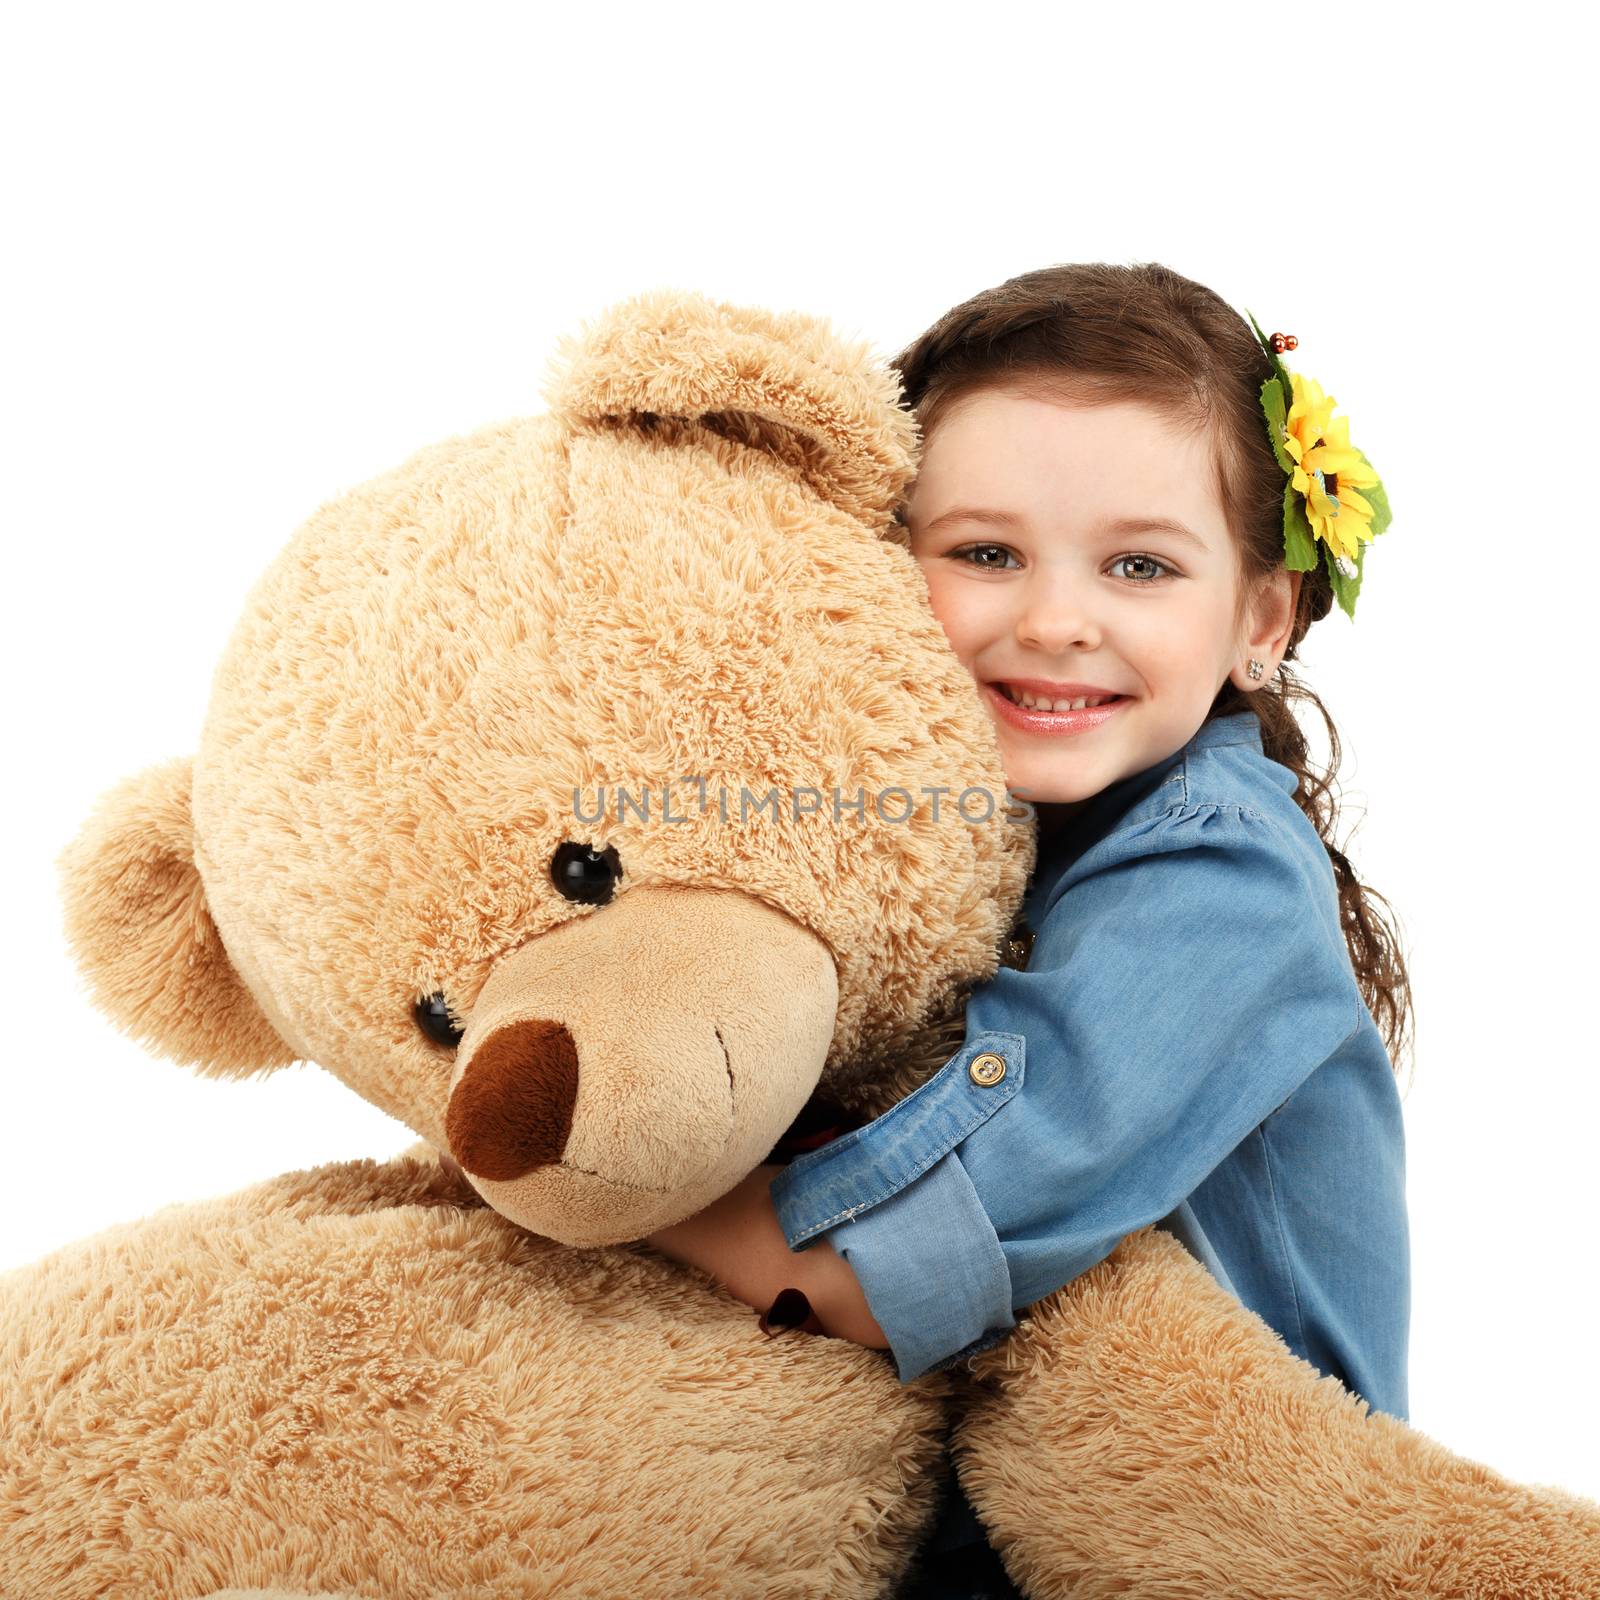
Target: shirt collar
{"points": [[1242, 727], [1112, 802]]}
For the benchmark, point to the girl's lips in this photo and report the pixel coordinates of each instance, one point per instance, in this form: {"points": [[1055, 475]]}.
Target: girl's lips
{"points": [[1050, 722]]}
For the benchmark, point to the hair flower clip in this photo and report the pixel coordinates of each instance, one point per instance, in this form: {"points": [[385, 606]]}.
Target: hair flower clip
{"points": [[1332, 493]]}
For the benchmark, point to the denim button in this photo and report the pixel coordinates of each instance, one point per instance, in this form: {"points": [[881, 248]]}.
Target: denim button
{"points": [[987, 1069]]}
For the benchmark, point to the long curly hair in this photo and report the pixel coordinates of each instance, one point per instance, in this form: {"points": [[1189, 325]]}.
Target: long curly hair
{"points": [[1103, 333]]}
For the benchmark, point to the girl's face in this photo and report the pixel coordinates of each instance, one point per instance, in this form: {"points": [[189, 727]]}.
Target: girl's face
{"points": [[1082, 550]]}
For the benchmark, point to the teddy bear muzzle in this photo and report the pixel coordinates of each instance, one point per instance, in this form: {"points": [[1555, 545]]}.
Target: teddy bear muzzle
{"points": [[629, 1066]]}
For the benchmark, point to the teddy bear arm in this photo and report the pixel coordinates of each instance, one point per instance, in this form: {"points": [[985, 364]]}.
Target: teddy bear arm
{"points": [[221, 1392], [1141, 1433]]}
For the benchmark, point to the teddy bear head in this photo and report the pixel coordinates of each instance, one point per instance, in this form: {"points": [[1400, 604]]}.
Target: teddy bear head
{"points": [[586, 791]]}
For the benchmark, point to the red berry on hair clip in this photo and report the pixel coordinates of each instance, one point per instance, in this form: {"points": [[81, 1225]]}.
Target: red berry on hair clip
{"points": [[1283, 341]]}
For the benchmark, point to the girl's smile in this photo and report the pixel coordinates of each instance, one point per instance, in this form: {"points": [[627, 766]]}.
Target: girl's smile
{"points": [[1079, 551], [1051, 710]]}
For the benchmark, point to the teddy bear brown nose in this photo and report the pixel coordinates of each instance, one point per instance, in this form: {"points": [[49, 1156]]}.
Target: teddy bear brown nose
{"points": [[512, 1109]]}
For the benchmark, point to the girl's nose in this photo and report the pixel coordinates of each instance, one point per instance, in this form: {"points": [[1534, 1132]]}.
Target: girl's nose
{"points": [[1053, 619]]}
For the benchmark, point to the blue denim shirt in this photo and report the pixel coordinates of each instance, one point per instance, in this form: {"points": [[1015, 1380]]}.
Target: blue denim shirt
{"points": [[1188, 1046]]}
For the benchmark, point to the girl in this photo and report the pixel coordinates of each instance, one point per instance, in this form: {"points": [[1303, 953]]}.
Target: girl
{"points": [[1125, 537]]}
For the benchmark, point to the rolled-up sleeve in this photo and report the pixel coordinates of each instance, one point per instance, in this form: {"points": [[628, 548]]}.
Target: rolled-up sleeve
{"points": [[935, 1265], [1187, 976], [897, 1204]]}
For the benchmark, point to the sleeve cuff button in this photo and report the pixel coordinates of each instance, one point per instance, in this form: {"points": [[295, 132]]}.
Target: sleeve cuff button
{"points": [[987, 1070]]}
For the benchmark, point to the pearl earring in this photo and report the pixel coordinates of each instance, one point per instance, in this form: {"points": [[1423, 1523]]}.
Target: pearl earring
{"points": [[1256, 668]]}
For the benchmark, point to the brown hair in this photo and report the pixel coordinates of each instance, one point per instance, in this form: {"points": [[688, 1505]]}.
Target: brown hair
{"points": [[1103, 333]]}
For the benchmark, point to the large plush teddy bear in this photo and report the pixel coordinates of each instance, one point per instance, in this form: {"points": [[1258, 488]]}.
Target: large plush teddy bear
{"points": [[515, 809]]}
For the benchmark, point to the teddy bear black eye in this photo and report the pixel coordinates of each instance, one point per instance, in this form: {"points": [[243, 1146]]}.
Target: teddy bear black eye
{"points": [[433, 1017], [585, 874]]}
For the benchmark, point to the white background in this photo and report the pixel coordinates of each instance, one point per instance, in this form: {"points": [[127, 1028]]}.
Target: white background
{"points": [[257, 256]]}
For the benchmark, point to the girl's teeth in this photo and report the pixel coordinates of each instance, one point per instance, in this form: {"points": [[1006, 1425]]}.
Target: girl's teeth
{"points": [[1034, 703]]}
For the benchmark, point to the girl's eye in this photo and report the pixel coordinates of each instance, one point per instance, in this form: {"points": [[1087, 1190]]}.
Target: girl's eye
{"points": [[1149, 568], [1145, 576], [976, 549]]}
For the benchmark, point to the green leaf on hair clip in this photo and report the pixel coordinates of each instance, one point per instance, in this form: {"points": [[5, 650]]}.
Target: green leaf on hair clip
{"points": [[1299, 544], [1275, 405], [1377, 497], [1346, 589]]}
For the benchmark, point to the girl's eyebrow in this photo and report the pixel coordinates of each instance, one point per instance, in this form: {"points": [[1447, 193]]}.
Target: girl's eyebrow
{"points": [[1129, 525], [999, 519]]}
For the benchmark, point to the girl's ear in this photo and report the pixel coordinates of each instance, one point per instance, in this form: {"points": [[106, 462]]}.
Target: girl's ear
{"points": [[1269, 622], [784, 382], [137, 923]]}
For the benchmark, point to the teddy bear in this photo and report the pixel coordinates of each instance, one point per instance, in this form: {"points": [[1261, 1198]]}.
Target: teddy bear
{"points": [[564, 792]]}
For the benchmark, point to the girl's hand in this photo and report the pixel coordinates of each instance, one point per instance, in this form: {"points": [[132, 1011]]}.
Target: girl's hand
{"points": [[738, 1241]]}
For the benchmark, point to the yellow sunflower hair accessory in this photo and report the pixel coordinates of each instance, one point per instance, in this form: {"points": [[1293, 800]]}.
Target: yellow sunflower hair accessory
{"points": [[1332, 493]]}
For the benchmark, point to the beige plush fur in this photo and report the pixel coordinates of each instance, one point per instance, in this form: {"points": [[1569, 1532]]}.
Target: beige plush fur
{"points": [[359, 1378], [364, 1380]]}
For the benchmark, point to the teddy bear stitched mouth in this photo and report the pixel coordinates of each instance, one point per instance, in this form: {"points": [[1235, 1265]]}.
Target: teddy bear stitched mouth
{"points": [[610, 1183]]}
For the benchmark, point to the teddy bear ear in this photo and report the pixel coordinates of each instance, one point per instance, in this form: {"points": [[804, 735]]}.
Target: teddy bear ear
{"points": [[138, 925], [782, 381]]}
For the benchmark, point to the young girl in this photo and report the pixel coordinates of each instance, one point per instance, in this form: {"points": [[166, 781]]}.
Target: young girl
{"points": [[1125, 541]]}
